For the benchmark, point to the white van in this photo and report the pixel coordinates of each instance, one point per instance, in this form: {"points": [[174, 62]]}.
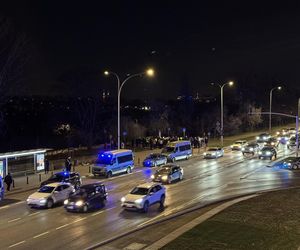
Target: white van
{"points": [[178, 150], [114, 162]]}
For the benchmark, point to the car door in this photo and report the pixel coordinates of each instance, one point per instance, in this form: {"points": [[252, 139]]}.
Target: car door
{"points": [[57, 194], [175, 173], [65, 192], [152, 195]]}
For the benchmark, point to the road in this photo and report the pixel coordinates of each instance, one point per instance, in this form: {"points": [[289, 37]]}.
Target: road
{"points": [[204, 180]]}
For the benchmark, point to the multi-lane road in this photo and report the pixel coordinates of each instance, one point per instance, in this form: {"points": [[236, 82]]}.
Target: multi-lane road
{"points": [[204, 180]]}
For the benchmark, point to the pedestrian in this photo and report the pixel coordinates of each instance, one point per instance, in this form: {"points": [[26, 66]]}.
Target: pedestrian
{"points": [[68, 164], [47, 164], [206, 141], [8, 180]]}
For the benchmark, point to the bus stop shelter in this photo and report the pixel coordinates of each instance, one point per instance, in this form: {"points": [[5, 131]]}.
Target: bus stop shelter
{"points": [[22, 162]]}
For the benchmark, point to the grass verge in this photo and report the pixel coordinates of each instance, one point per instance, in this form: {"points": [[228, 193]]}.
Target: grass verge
{"points": [[269, 221]]}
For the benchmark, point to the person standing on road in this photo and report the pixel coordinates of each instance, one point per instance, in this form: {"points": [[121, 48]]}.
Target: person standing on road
{"points": [[8, 180], [68, 164], [47, 166]]}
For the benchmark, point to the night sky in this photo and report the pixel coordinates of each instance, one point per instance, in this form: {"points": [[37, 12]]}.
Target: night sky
{"points": [[189, 44]]}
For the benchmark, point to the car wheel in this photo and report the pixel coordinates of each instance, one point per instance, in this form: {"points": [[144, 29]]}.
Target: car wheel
{"points": [[162, 200], [128, 171], [109, 174], [49, 203], [146, 207], [85, 208]]}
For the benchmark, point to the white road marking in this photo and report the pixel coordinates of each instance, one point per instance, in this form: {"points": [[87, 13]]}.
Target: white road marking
{"points": [[14, 220], [6, 206], [97, 213], [39, 235], [13, 204], [34, 213], [19, 243], [62, 226]]}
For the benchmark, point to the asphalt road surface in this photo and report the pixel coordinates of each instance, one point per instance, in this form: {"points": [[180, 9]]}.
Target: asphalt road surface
{"points": [[204, 180]]}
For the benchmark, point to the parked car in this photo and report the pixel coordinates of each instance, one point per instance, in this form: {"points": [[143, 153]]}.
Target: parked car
{"points": [[251, 148], [178, 150], [143, 196], [292, 143], [267, 152], [114, 162], [237, 145], [213, 152], [50, 194], [154, 160], [90, 196], [263, 137], [168, 173], [68, 177]]}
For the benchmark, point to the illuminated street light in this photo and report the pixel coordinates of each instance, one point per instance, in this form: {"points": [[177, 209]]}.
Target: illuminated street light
{"points": [[149, 72], [270, 115], [231, 83]]}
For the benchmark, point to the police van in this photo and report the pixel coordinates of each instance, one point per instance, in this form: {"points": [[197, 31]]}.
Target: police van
{"points": [[114, 162], [1, 188], [178, 150]]}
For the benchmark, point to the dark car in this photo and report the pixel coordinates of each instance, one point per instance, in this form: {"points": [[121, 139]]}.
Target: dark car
{"points": [[91, 196], [291, 163], [69, 177], [263, 137], [267, 152], [274, 142], [292, 143], [250, 148], [154, 160], [167, 174]]}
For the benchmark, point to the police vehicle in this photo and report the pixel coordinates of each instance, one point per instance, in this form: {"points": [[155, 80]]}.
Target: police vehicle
{"points": [[114, 162], [178, 150]]}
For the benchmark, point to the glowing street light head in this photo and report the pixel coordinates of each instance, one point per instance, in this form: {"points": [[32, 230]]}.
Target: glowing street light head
{"points": [[231, 83], [106, 73], [150, 72], [279, 87]]}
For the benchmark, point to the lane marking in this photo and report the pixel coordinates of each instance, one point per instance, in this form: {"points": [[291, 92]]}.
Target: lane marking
{"points": [[39, 235], [62, 226], [98, 213], [19, 243], [6, 206], [14, 220], [34, 213]]}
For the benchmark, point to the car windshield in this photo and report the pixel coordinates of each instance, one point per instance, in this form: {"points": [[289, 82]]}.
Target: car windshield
{"points": [[168, 149], [56, 177], [212, 149], [251, 145], [139, 191], [151, 156], [163, 171], [267, 149], [46, 189], [104, 160], [238, 142]]}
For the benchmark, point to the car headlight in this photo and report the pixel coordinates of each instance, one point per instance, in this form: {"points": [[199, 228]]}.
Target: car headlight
{"points": [[213, 153], [289, 164], [79, 203], [66, 202], [231, 146], [288, 143], [257, 137], [259, 152], [268, 153], [152, 176], [251, 149], [123, 199], [277, 133], [139, 201], [264, 138], [204, 154], [43, 201], [165, 177], [243, 149]]}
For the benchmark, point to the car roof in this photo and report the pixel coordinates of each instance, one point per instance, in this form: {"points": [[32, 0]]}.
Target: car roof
{"points": [[55, 184], [93, 185], [147, 185]]}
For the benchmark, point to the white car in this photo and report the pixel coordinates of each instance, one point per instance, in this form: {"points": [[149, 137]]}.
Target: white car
{"points": [[237, 145], [213, 153], [50, 194], [143, 196]]}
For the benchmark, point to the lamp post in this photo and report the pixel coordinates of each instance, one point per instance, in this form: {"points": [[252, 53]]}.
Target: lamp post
{"points": [[222, 107], [149, 72], [270, 115]]}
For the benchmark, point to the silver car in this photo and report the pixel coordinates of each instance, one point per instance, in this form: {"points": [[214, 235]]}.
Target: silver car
{"points": [[214, 152]]}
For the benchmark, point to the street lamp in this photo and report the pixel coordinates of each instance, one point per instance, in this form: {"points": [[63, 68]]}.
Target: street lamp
{"points": [[222, 116], [270, 115], [149, 72]]}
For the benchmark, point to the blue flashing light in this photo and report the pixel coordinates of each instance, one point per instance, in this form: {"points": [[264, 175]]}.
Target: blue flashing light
{"points": [[109, 156]]}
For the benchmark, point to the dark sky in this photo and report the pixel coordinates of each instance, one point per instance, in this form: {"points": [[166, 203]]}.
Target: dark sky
{"points": [[189, 43]]}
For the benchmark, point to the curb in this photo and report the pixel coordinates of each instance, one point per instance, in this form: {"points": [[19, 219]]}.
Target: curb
{"points": [[186, 211]]}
